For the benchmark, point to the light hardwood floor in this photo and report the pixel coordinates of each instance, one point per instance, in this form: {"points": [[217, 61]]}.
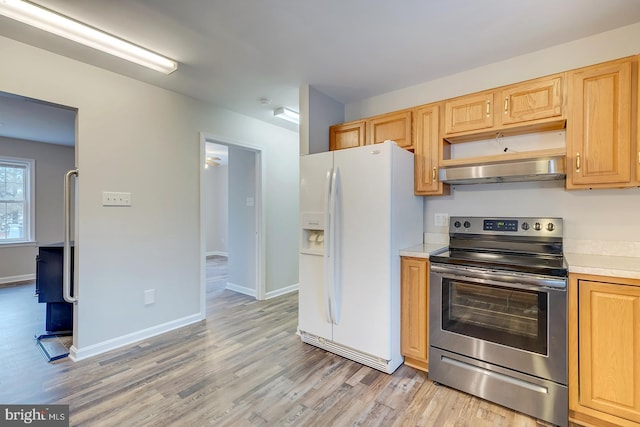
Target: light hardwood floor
{"points": [[243, 366]]}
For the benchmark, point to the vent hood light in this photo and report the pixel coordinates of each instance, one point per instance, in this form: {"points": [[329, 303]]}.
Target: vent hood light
{"points": [[287, 114], [536, 169], [71, 29]]}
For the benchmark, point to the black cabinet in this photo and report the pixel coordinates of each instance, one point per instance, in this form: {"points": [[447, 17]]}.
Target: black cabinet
{"points": [[49, 262]]}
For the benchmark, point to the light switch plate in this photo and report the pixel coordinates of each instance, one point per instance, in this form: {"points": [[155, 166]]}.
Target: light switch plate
{"points": [[113, 198]]}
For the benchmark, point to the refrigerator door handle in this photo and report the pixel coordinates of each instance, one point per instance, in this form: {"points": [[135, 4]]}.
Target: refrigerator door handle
{"points": [[328, 239], [66, 250], [336, 235]]}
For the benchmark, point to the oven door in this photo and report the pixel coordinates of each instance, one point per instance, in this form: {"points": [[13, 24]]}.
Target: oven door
{"points": [[517, 321]]}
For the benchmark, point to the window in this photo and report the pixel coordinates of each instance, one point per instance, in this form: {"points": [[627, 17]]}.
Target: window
{"points": [[16, 204]]}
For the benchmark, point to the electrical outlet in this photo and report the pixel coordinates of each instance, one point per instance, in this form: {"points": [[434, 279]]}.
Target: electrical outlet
{"points": [[441, 220], [149, 296], [113, 198]]}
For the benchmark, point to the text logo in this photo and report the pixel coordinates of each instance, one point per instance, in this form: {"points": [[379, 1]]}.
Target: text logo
{"points": [[34, 415]]}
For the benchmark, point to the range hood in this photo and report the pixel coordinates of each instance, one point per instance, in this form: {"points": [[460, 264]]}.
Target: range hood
{"points": [[513, 170]]}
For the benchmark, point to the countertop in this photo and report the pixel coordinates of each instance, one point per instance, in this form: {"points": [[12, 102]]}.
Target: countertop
{"points": [[606, 264], [423, 250]]}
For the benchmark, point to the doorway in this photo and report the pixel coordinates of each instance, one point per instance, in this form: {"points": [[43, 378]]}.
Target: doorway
{"points": [[244, 235], [39, 137]]}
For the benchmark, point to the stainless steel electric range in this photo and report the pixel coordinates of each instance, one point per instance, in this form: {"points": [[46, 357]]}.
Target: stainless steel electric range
{"points": [[498, 314]]}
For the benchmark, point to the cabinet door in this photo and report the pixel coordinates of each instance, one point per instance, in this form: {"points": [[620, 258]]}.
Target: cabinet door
{"points": [[635, 152], [534, 100], [468, 113], [609, 348], [599, 126], [393, 126], [347, 135], [427, 151], [414, 314]]}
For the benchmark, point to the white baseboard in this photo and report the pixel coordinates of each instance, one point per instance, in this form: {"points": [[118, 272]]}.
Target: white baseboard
{"points": [[241, 289], [282, 291], [21, 278], [252, 292], [219, 253], [76, 354]]}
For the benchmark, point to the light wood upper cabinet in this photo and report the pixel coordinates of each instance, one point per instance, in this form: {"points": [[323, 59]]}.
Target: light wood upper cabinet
{"points": [[393, 126], [598, 105], [532, 106], [414, 298], [427, 151], [604, 350], [599, 127], [347, 135], [534, 100], [469, 113]]}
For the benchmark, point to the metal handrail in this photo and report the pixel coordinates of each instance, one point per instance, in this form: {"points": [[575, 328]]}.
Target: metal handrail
{"points": [[66, 250]]}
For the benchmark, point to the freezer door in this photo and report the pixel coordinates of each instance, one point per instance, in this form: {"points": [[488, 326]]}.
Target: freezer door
{"points": [[363, 289], [313, 170], [313, 315]]}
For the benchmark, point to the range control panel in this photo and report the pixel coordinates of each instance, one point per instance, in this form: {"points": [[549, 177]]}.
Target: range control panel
{"points": [[517, 226]]}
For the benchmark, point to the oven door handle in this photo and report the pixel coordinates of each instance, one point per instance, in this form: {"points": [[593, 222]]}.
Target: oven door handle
{"points": [[516, 280]]}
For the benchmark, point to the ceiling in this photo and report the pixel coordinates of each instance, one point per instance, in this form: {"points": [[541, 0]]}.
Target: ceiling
{"points": [[233, 53]]}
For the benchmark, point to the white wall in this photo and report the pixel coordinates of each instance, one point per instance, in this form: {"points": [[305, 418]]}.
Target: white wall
{"points": [[17, 262], [155, 243], [216, 194], [242, 221], [613, 44], [605, 215], [281, 211], [280, 180], [325, 111], [608, 215]]}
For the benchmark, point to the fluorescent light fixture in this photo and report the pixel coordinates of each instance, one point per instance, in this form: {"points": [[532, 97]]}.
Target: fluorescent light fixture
{"points": [[287, 114], [71, 29]]}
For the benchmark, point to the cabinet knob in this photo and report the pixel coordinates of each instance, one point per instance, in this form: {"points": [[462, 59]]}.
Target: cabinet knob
{"points": [[506, 105], [577, 162], [433, 174], [488, 108]]}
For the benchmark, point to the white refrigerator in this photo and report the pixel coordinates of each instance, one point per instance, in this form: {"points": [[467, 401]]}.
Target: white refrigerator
{"points": [[357, 210]]}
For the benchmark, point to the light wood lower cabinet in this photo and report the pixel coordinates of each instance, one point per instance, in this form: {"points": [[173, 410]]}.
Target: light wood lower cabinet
{"points": [[414, 297], [636, 106], [604, 351]]}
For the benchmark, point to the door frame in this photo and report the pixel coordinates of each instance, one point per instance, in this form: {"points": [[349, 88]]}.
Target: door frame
{"points": [[260, 175]]}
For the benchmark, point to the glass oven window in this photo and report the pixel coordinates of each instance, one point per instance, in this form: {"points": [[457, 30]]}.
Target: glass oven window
{"points": [[512, 317]]}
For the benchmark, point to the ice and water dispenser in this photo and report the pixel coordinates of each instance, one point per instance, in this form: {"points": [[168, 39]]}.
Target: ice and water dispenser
{"points": [[312, 233]]}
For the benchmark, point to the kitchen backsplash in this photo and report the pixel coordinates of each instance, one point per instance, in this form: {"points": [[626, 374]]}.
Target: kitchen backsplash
{"points": [[435, 238], [598, 247]]}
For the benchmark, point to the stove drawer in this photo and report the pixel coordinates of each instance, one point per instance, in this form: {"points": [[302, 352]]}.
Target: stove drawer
{"points": [[534, 396]]}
